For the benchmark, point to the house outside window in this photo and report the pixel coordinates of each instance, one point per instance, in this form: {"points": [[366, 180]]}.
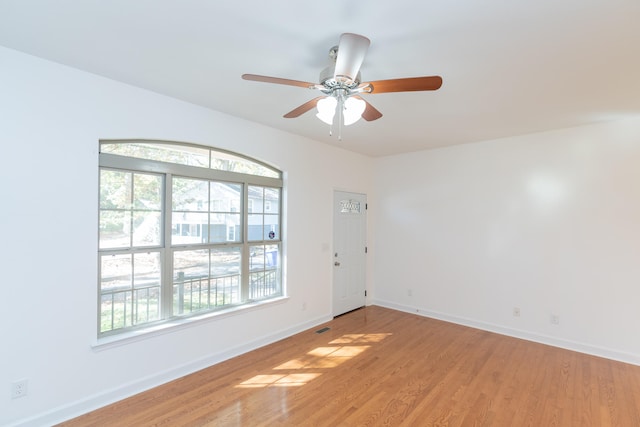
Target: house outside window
{"points": [[174, 237]]}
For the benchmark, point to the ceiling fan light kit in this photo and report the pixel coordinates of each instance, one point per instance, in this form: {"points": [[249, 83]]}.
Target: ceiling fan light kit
{"points": [[326, 109], [340, 84], [353, 109]]}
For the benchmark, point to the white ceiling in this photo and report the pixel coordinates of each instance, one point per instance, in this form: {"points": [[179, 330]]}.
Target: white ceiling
{"points": [[509, 67]]}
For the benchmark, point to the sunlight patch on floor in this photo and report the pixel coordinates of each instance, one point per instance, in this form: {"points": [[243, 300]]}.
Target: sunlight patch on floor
{"points": [[359, 338], [324, 357], [287, 380]]}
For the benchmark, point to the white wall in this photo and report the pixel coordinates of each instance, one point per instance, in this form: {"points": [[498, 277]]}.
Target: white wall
{"points": [[548, 223], [51, 118]]}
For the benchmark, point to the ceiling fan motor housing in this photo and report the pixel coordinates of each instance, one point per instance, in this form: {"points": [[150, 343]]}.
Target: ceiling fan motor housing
{"points": [[327, 78]]}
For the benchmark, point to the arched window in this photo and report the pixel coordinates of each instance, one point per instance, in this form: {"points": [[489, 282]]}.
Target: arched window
{"points": [[184, 230]]}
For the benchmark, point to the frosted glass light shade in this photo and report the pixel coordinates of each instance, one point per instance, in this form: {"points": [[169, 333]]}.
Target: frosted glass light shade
{"points": [[326, 109], [353, 109]]}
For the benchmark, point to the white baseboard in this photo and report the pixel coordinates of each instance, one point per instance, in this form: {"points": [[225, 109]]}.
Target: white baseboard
{"points": [[607, 353], [107, 397]]}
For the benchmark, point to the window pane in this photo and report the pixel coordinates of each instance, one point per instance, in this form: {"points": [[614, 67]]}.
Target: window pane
{"points": [[225, 262], [191, 286], [116, 272], [106, 312], [225, 273], [271, 227], [189, 265], [225, 197], [256, 198], [147, 269], [228, 162], [147, 192], [256, 260], [147, 281], [147, 203], [115, 311], [190, 195], [114, 229], [188, 155], [116, 275], [146, 305], [189, 228], [190, 222], [147, 229], [272, 257], [224, 222], [115, 205], [224, 228], [255, 227], [180, 154], [115, 189], [272, 200], [264, 276]]}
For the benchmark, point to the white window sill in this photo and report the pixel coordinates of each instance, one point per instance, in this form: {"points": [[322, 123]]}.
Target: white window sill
{"points": [[125, 338]]}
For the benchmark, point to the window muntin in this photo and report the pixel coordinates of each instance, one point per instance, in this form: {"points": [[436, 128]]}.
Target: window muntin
{"points": [[203, 261]]}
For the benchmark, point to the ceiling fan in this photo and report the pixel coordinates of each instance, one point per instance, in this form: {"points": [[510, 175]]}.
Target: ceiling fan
{"points": [[341, 85]]}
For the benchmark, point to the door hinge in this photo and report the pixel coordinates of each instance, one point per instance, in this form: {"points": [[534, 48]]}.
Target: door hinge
{"points": [[366, 250], [365, 293], [366, 206]]}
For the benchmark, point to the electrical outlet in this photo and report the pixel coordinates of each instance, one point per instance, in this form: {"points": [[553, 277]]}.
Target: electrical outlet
{"points": [[516, 312], [304, 306], [409, 292], [19, 389], [555, 319]]}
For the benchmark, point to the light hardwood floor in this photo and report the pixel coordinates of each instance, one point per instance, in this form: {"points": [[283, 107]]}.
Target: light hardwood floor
{"points": [[380, 367]]}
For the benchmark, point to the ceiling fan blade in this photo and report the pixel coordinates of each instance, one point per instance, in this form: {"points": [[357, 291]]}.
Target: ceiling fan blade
{"points": [[278, 80], [370, 112], [296, 112], [409, 84], [351, 52]]}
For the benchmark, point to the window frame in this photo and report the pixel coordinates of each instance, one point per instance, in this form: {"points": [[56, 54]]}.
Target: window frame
{"points": [[168, 171]]}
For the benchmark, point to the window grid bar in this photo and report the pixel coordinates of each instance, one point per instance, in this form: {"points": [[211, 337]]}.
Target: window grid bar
{"points": [[166, 290]]}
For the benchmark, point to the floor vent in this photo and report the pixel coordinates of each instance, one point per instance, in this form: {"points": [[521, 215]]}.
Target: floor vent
{"points": [[320, 331]]}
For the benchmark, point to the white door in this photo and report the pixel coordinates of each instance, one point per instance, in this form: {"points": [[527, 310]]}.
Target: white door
{"points": [[349, 251]]}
